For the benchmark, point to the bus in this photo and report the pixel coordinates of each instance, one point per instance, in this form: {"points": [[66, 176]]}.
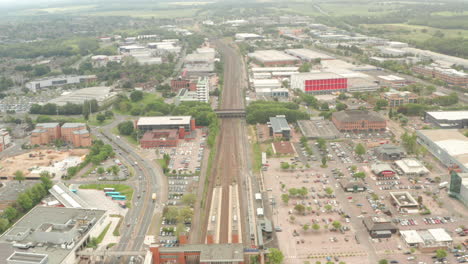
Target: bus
{"points": [[119, 197], [109, 189], [112, 193]]}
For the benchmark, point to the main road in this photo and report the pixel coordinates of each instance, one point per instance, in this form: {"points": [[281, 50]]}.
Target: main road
{"points": [[149, 180]]}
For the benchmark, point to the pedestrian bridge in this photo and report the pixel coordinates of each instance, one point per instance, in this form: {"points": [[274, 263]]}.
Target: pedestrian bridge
{"points": [[104, 253], [230, 113]]}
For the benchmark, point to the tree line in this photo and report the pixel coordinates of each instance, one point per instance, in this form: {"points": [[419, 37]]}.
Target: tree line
{"points": [[68, 109], [261, 111]]}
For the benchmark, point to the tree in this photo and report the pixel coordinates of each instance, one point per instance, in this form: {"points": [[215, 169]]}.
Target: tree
{"points": [[285, 165], [305, 227], [440, 253], [360, 149], [24, 201], [341, 106], [383, 261], [10, 213], [322, 143], [336, 224], [359, 175], [4, 223], [100, 118], [136, 96], [305, 67], [324, 106], [189, 199], [45, 180], [293, 192], [125, 128], [302, 191], [19, 176], [329, 190], [115, 170], [285, 198], [328, 207], [324, 161], [275, 256], [299, 208], [101, 170], [316, 227], [381, 103], [353, 168]]}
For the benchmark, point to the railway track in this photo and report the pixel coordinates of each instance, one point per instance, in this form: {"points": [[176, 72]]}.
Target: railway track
{"points": [[229, 167]]}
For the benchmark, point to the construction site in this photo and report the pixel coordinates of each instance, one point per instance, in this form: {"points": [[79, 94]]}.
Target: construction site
{"points": [[34, 162]]}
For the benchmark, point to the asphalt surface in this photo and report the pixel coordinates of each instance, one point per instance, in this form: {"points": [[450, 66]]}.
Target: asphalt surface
{"points": [[149, 180]]}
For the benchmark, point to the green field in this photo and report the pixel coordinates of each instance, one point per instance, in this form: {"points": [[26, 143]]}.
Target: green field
{"points": [[171, 13], [415, 33], [363, 9]]}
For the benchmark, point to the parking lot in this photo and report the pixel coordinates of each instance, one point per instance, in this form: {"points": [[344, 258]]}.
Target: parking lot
{"points": [[334, 236], [98, 199], [123, 173], [187, 156]]}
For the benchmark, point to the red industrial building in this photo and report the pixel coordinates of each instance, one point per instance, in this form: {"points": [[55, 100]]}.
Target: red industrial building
{"points": [[319, 83], [183, 82]]}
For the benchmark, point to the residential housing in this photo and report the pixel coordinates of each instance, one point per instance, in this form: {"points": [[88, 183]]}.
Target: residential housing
{"points": [[76, 134]]}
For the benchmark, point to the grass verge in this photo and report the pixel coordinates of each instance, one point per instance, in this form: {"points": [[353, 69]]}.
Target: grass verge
{"points": [[103, 234], [116, 231]]}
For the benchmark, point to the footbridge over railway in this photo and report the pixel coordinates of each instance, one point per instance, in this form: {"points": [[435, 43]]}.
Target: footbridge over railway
{"points": [[230, 113]]}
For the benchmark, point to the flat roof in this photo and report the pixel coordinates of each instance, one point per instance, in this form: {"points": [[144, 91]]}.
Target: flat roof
{"points": [[99, 93], [271, 56], [67, 197], [450, 140], [411, 166], [275, 69], [318, 128], [411, 236], [73, 125], [391, 78], [27, 258], [47, 125], [30, 229], [164, 120], [440, 235], [308, 54], [449, 115], [211, 252], [316, 76], [404, 198]]}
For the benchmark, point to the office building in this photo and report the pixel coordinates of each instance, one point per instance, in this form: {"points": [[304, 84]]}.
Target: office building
{"points": [[447, 119], [396, 98], [165, 122], [319, 82], [448, 75], [358, 121], [392, 80], [459, 186]]}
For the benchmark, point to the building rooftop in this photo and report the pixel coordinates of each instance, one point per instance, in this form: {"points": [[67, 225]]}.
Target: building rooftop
{"points": [[47, 125], [55, 231], [411, 166], [275, 69], [316, 76], [358, 115], [73, 125], [390, 149], [381, 168], [374, 223], [211, 252], [449, 115], [164, 120], [391, 78], [27, 258], [403, 199], [100, 93], [81, 132], [279, 124], [67, 197], [451, 140], [308, 54], [271, 56]]}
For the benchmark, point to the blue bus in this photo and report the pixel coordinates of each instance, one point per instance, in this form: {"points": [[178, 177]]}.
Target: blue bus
{"points": [[119, 197], [112, 193]]}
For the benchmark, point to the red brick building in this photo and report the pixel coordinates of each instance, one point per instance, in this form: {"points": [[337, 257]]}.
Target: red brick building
{"points": [[358, 121], [450, 76], [199, 253], [162, 138], [73, 133]]}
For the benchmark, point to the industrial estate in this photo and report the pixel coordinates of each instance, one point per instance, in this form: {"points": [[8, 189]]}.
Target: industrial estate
{"points": [[237, 139]]}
